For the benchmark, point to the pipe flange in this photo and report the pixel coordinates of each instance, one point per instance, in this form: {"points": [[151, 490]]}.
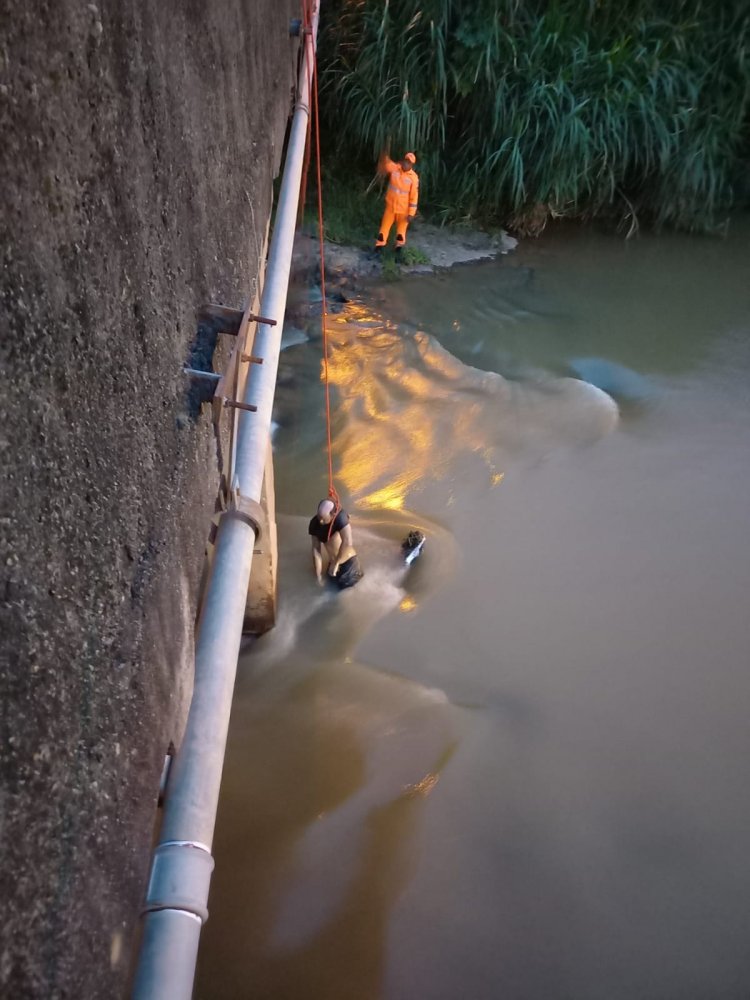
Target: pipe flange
{"points": [[248, 511]]}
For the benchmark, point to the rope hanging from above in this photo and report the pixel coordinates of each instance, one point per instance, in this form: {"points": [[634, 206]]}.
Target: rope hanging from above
{"points": [[312, 80]]}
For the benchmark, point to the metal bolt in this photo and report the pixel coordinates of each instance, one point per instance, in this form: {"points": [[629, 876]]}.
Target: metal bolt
{"points": [[261, 319], [235, 405]]}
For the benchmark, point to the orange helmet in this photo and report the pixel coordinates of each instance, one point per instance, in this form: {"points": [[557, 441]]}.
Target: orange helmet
{"points": [[410, 157]]}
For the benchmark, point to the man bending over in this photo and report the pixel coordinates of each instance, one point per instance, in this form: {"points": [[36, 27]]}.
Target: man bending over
{"points": [[331, 532]]}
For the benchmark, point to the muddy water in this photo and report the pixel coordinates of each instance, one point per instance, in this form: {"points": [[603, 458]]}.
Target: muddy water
{"points": [[519, 768]]}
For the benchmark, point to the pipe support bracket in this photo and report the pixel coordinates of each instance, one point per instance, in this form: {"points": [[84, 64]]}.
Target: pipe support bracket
{"points": [[246, 510], [180, 877]]}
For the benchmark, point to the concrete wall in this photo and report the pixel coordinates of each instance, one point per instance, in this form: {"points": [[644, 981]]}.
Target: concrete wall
{"points": [[139, 142]]}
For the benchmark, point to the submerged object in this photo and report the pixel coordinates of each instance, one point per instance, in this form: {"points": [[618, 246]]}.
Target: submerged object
{"points": [[412, 546], [616, 380], [349, 573]]}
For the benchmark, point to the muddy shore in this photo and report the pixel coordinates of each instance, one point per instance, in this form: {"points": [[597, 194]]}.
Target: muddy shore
{"points": [[444, 247]]}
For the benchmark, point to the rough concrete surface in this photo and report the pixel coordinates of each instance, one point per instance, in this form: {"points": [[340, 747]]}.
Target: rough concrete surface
{"points": [[139, 142]]}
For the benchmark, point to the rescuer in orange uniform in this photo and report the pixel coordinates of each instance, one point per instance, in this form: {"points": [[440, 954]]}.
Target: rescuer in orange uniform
{"points": [[401, 198]]}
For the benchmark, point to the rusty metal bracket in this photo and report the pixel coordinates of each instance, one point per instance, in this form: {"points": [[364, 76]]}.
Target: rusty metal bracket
{"points": [[236, 405], [219, 403], [231, 331], [252, 359], [223, 319], [261, 319]]}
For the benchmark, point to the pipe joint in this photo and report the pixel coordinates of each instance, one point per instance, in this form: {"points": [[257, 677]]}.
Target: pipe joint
{"points": [[244, 509], [180, 877]]}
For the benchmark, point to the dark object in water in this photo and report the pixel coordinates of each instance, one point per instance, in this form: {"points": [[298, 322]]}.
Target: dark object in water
{"points": [[349, 573], [412, 546]]}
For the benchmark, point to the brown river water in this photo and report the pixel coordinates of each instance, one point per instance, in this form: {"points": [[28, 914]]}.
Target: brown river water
{"points": [[517, 770]]}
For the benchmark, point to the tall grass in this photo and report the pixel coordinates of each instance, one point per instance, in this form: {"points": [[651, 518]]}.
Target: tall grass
{"points": [[352, 209], [637, 109]]}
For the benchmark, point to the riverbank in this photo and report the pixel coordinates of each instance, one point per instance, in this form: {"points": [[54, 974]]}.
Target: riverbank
{"points": [[440, 247]]}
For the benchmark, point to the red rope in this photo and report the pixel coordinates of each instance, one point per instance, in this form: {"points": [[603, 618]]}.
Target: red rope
{"points": [[313, 91]]}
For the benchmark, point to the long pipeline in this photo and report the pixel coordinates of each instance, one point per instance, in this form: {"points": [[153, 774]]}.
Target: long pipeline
{"points": [[177, 896]]}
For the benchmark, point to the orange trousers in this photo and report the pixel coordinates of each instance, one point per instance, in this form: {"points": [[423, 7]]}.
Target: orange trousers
{"points": [[389, 217]]}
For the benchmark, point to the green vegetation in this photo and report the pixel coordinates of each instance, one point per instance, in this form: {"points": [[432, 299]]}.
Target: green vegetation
{"points": [[353, 206], [351, 211], [635, 109], [413, 255], [391, 264]]}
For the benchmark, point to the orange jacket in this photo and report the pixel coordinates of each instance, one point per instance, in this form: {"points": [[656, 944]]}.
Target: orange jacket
{"points": [[402, 195]]}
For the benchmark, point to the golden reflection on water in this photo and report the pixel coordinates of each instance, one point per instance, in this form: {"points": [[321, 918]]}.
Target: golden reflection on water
{"points": [[397, 397], [408, 604], [423, 787], [408, 413], [390, 497]]}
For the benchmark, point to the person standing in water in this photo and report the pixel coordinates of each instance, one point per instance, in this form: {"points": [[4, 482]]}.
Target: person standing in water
{"points": [[331, 532]]}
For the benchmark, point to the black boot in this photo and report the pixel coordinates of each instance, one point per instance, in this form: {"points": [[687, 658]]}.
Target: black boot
{"points": [[399, 253]]}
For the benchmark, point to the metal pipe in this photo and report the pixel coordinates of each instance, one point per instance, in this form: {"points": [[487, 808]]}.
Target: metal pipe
{"points": [[253, 435], [181, 868]]}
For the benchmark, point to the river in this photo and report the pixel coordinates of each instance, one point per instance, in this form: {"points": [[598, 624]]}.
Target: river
{"points": [[517, 770]]}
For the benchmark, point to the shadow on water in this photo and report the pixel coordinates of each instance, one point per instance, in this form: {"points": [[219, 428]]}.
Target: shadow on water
{"points": [[328, 768], [320, 849]]}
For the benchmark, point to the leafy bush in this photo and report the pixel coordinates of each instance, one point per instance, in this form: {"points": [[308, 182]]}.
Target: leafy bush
{"points": [[352, 212], [518, 110], [413, 255]]}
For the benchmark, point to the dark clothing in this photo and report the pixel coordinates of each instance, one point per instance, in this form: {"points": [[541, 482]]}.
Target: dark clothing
{"points": [[350, 572], [325, 531]]}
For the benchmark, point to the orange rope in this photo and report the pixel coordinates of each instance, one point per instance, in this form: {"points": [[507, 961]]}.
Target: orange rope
{"points": [[313, 91]]}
